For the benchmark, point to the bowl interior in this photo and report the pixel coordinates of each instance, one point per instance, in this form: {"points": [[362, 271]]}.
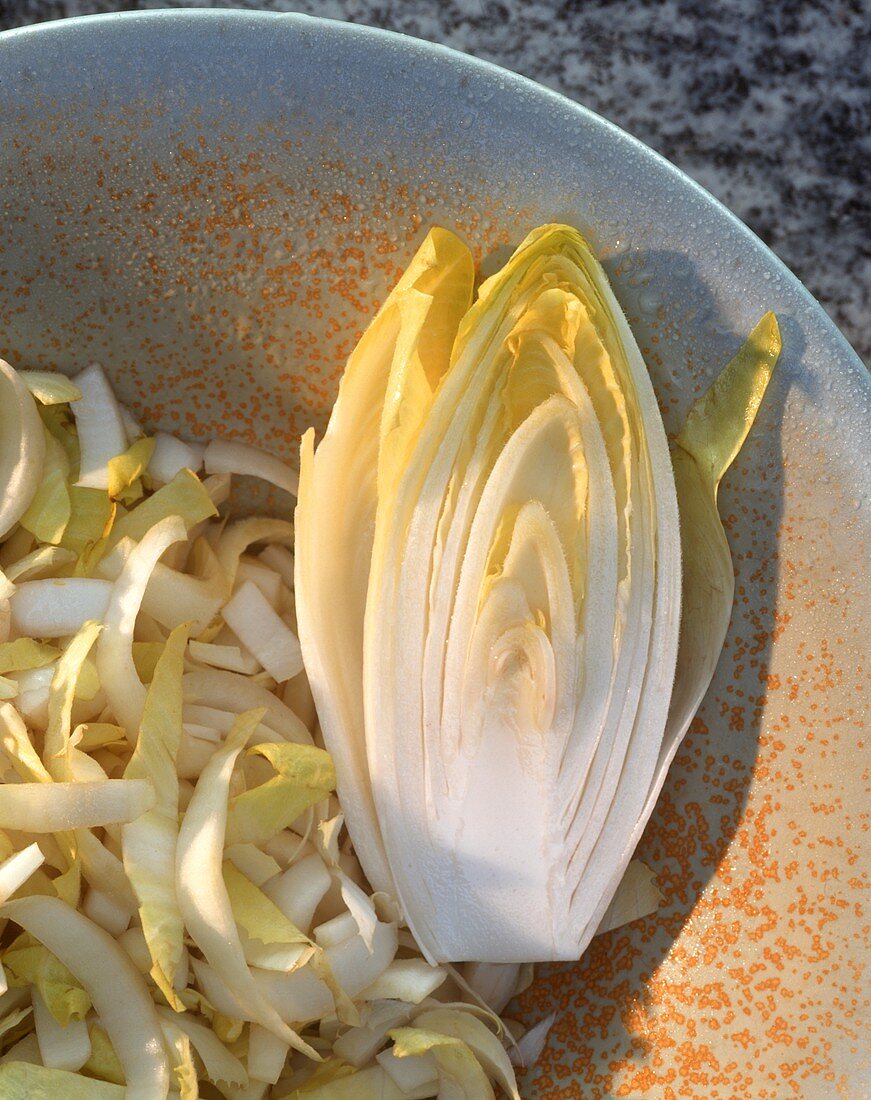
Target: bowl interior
{"points": [[213, 205]]}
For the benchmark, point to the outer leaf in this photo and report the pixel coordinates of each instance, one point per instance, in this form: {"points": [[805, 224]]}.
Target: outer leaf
{"points": [[337, 501], [637, 896], [716, 428], [719, 422]]}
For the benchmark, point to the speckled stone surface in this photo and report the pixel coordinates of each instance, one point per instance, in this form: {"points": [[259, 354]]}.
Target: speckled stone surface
{"points": [[766, 104]]}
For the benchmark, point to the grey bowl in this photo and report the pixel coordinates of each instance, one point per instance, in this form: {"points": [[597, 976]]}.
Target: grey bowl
{"points": [[213, 203]]}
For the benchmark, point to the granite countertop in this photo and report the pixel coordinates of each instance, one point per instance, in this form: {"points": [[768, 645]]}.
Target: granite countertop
{"points": [[765, 102]]}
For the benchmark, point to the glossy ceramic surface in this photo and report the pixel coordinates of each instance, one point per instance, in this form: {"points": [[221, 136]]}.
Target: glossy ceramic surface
{"points": [[212, 204]]}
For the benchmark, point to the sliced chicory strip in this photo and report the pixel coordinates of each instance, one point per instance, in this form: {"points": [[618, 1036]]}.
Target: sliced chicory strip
{"points": [[261, 629], [25, 653], [236, 539], [50, 387], [184, 496], [50, 509], [149, 843], [103, 871], [487, 1049], [30, 964], [60, 700], [22, 448], [58, 607], [223, 456], [253, 911], [182, 1065], [171, 456], [45, 559], [460, 1073], [26, 1081], [103, 1063], [305, 776], [124, 690], [117, 991], [202, 896], [194, 596], [125, 469], [221, 1066], [66, 1048], [100, 427], [17, 869], [57, 807], [231, 692], [91, 517]]}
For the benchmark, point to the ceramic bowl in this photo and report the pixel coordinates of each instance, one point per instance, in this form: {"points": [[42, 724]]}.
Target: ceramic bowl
{"points": [[212, 204]]}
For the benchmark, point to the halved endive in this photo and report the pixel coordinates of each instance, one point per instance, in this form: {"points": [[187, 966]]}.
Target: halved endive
{"points": [[488, 582]]}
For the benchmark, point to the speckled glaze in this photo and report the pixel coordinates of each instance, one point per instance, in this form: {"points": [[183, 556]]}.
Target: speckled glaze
{"points": [[213, 204]]}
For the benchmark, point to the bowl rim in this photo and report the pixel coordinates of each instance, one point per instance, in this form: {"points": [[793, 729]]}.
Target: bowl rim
{"points": [[509, 83]]}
